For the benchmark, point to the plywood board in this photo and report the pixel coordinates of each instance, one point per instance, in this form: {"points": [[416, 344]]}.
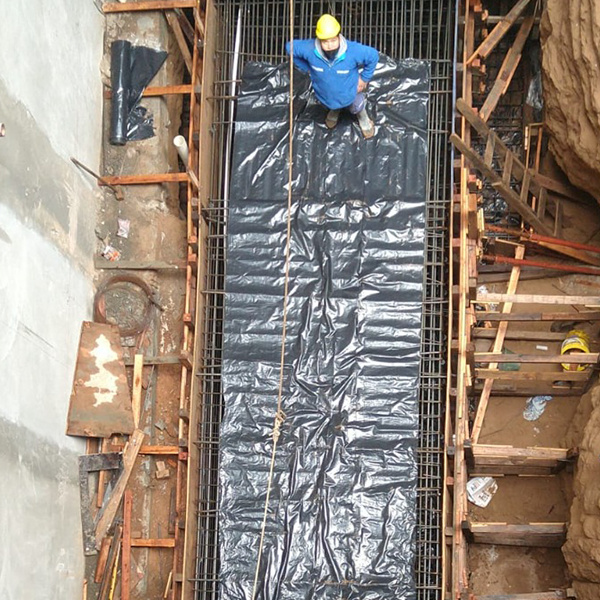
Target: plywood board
{"points": [[100, 401]]}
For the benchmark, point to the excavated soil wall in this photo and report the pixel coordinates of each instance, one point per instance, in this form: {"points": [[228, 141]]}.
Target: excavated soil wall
{"points": [[582, 549], [571, 81]]}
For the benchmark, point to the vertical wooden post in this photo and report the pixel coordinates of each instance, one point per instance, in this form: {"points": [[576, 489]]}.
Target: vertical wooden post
{"points": [[136, 396], [126, 552]]}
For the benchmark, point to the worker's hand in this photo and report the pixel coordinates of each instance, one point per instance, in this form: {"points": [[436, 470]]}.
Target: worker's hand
{"points": [[362, 85]]}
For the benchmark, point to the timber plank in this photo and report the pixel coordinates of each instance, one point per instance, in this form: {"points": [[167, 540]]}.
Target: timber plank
{"points": [[136, 396], [532, 375], [507, 70], [501, 29], [143, 179], [153, 543], [126, 549], [538, 299], [549, 535], [159, 90], [575, 359], [489, 333], [118, 7], [129, 455], [497, 347], [584, 315]]}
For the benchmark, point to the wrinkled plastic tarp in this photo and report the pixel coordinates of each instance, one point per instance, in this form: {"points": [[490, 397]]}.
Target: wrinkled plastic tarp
{"points": [[132, 68], [342, 509]]}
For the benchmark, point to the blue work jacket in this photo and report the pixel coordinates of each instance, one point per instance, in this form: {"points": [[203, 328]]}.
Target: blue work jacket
{"points": [[335, 82]]}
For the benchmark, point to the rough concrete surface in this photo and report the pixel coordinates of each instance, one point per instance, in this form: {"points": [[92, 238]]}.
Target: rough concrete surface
{"points": [[50, 102]]}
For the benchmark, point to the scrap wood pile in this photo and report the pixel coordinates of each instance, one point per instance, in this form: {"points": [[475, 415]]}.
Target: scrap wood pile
{"points": [[103, 409]]}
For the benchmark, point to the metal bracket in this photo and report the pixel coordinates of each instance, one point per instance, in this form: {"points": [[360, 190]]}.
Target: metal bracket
{"points": [[89, 463]]}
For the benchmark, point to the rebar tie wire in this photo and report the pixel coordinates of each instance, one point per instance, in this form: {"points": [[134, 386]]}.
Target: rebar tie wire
{"points": [[279, 415]]}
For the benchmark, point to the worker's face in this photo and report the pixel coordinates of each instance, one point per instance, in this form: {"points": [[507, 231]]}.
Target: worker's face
{"points": [[331, 44]]}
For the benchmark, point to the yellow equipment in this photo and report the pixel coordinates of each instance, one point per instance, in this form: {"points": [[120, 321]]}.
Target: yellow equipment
{"points": [[328, 27], [576, 341]]}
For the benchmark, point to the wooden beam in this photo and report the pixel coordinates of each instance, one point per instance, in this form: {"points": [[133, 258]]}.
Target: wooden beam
{"points": [[180, 39], [102, 559], [485, 459], [512, 198], [126, 551], [562, 189], [201, 117], [149, 450], [118, 7], [532, 375], [455, 569], [143, 179], [590, 358], [153, 543], [159, 90], [492, 40], [489, 333], [130, 453], [537, 299], [497, 348], [547, 535], [136, 395], [507, 70], [510, 389], [111, 562], [584, 315], [580, 255]]}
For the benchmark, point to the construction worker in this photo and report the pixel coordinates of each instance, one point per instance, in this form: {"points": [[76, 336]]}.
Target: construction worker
{"points": [[334, 65]]}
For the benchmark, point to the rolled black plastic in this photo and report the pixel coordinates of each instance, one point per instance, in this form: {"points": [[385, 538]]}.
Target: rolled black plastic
{"points": [[120, 76]]}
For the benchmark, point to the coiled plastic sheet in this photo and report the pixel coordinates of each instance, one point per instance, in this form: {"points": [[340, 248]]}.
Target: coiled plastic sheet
{"points": [[342, 511]]}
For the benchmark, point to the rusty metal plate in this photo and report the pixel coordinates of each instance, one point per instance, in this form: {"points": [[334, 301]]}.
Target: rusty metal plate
{"points": [[100, 401]]}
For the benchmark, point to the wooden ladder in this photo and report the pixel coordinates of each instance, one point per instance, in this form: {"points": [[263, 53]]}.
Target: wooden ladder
{"points": [[516, 183]]}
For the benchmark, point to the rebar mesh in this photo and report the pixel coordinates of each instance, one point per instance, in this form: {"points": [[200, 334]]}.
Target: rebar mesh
{"points": [[421, 29]]}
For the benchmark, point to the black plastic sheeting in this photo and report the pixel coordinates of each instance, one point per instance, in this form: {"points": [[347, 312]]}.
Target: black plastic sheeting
{"points": [[132, 68], [342, 510]]}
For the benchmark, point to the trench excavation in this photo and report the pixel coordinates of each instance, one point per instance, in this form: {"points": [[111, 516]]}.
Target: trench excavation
{"points": [[300, 353], [422, 30]]}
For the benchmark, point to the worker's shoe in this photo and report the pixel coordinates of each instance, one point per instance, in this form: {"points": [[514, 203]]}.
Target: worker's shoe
{"points": [[332, 119], [366, 125]]}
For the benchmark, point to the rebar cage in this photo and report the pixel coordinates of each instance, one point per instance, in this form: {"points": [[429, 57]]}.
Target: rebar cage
{"points": [[257, 30]]}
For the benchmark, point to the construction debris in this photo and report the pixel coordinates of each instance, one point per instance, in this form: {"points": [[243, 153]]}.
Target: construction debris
{"points": [[162, 472], [481, 490]]}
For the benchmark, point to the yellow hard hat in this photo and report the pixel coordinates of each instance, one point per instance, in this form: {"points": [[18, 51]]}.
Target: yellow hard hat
{"points": [[576, 340], [328, 27]]}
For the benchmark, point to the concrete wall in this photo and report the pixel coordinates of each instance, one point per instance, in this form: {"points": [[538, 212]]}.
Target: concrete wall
{"points": [[50, 101]]}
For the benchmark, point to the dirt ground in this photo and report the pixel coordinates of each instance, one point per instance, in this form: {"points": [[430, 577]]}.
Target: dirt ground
{"points": [[497, 569]]}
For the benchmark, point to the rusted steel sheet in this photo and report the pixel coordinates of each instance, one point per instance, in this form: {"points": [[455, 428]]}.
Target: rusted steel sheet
{"points": [[100, 401]]}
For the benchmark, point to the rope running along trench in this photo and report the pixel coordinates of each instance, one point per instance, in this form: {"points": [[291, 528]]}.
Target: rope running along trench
{"points": [[279, 415]]}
